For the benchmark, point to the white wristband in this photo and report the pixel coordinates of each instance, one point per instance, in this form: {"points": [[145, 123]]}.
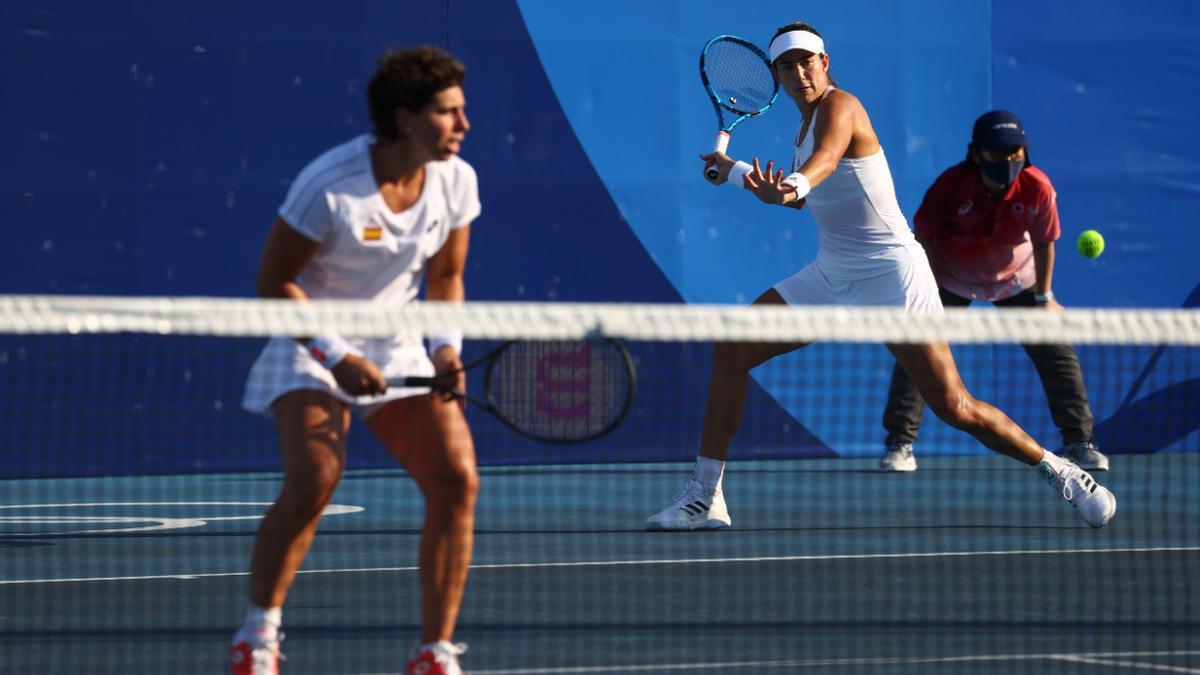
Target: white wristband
{"points": [[452, 339], [330, 348], [798, 181], [737, 174]]}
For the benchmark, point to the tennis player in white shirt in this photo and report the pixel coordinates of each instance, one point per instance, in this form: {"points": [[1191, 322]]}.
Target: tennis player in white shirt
{"points": [[369, 220]]}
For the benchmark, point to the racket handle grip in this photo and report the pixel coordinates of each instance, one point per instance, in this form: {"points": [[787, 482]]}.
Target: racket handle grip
{"points": [[720, 145], [412, 382], [722, 142]]}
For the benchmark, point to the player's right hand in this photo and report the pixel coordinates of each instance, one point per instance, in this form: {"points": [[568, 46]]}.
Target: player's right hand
{"points": [[722, 161], [448, 366], [358, 376]]}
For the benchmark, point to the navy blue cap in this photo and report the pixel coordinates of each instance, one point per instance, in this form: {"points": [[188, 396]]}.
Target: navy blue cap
{"points": [[997, 130]]}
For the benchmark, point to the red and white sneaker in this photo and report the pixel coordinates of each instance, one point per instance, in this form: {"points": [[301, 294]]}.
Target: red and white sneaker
{"points": [[259, 655], [436, 658]]}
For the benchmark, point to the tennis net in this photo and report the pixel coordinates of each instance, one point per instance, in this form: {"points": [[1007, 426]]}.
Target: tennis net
{"points": [[132, 482]]}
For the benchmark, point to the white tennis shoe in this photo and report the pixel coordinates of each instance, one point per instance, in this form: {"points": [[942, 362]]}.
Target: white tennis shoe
{"points": [[898, 458], [695, 508], [1095, 502]]}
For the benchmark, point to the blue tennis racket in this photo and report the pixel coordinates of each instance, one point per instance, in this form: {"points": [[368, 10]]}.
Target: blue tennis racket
{"points": [[737, 76]]}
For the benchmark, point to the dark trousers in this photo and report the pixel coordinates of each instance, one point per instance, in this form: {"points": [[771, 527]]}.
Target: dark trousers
{"points": [[1056, 365]]}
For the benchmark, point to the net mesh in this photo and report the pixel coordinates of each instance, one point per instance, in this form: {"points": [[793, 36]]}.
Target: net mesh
{"points": [[132, 484]]}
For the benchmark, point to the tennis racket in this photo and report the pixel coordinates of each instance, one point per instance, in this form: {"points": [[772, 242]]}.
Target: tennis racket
{"points": [[556, 391], [737, 76]]}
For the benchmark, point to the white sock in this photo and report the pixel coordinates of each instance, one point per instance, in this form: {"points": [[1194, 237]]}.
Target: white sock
{"points": [[709, 472], [260, 621], [1057, 463]]}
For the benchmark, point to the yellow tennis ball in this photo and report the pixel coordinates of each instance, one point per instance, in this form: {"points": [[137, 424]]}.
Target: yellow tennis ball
{"points": [[1090, 244]]}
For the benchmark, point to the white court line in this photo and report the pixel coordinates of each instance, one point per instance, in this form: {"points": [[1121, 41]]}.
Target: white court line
{"points": [[621, 563], [1092, 657], [1136, 665], [160, 523]]}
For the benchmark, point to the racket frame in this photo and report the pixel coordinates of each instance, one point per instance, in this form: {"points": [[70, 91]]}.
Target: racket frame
{"points": [[721, 144], [488, 402]]}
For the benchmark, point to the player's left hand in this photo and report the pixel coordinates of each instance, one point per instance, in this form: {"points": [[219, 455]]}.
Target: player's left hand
{"points": [[766, 183], [447, 366]]}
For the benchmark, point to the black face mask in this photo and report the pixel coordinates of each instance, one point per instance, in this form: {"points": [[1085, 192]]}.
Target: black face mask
{"points": [[1003, 172]]}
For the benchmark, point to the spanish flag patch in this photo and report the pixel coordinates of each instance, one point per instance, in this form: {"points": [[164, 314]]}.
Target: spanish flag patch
{"points": [[372, 233]]}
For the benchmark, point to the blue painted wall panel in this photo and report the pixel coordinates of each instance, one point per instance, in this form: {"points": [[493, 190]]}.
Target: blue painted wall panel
{"points": [[1106, 94]]}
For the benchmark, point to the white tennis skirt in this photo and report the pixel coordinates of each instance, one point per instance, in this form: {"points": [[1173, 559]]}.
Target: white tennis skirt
{"points": [[285, 366], [905, 280]]}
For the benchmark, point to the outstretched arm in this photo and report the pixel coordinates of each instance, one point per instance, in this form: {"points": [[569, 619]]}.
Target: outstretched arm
{"points": [[832, 135]]}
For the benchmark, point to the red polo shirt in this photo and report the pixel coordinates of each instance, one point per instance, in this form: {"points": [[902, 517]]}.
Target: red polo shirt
{"points": [[981, 246]]}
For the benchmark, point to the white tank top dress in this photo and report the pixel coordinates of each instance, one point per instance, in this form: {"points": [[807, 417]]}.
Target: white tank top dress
{"points": [[867, 254]]}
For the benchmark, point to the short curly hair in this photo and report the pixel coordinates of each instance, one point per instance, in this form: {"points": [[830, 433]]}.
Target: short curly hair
{"points": [[409, 78]]}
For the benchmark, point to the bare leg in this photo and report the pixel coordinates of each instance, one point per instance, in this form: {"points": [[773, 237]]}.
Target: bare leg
{"points": [[430, 438], [732, 363], [932, 367], [311, 427]]}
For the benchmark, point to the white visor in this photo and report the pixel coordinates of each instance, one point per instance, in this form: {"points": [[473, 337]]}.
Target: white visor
{"points": [[796, 39]]}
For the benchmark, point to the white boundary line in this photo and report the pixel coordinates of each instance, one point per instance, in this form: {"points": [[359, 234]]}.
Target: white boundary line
{"points": [[622, 563], [1136, 665], [1098, 658], [161, 523]]}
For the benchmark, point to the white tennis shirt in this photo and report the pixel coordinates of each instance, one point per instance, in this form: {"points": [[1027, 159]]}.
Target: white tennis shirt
{"points": [[366, 251]]}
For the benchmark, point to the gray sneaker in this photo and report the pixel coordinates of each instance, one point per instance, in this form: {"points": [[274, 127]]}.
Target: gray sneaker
{"points": [[1086, 455], [898, 458]]}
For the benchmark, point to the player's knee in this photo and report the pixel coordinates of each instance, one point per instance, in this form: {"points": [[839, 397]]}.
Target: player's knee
{"points": [[467, 484], [307, 491], [456, 484], [956, 409]]}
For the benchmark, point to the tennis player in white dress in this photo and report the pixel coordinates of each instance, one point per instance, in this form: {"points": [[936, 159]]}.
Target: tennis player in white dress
{"points": [[867, 256]]}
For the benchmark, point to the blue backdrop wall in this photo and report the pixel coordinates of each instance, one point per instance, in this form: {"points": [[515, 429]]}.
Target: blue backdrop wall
{"points": [[147, 147]]}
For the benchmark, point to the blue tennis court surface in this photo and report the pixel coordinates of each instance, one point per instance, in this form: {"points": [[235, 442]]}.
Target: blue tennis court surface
{"points": [[971, 564]]}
